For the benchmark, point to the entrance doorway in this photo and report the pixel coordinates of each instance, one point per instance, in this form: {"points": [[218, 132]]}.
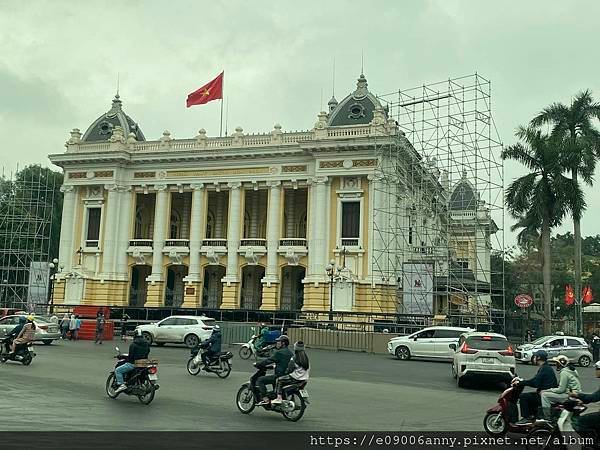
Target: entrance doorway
{"points": [[138, 289], [212, 292], [251, 295], [175, 285], [292, 288]]}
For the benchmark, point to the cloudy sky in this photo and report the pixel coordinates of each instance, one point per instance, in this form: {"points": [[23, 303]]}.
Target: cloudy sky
{"points": [[60, 59]]}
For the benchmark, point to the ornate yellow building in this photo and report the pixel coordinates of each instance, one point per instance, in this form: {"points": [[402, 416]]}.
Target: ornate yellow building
{"points": [[237, 222]]}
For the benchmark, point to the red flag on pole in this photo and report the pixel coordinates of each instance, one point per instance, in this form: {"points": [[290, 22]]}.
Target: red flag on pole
{"points": [[569, 295], [212, 90], [587, 295]]}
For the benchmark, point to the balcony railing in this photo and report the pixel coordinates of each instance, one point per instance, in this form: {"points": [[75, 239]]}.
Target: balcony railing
{"points": [[92, 244], [350, 242], [254, 242], [214, 243], [177, 243], [141, 243], [292, 242]]}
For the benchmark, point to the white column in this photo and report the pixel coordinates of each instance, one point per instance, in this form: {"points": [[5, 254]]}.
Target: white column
{"points": [[320, 220], [67, 223], [125, 233], [161, 217], [196, 231], [233, 232], [109, 235], [273, 229]]}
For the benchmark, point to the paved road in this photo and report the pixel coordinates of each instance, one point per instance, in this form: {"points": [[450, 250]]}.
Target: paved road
{"points": [[63, 389]]}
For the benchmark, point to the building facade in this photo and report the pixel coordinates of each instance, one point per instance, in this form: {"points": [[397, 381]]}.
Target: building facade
{"points": [[243, 221]]}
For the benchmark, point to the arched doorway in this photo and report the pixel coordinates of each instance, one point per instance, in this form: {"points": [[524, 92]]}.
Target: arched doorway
{"points": [[175, 285], [251, 295], [292, 289], [138, 288], [212, 292]]}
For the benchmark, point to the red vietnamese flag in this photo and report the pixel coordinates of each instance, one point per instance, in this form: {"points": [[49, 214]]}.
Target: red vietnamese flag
{"points": [[569, 295], [212, 90], [587, 295]]}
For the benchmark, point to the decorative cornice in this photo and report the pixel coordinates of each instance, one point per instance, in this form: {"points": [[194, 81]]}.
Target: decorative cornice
{"points": [[139, 175], [67, 188], [160, 187], [234, 185]]}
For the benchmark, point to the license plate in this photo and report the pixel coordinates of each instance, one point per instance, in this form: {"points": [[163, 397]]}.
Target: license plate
{"points": [[152, 376], [303, 393], [488, 360]]}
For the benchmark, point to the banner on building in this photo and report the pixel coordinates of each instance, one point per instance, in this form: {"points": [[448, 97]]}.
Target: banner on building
{"points": [[37, 290], [417, 287]]}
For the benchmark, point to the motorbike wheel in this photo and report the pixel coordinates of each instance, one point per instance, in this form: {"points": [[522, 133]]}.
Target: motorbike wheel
{"points": [[245, 399], [111, 386], [245, 353], [147, 398], [224, 369], [495, 424], [26, 360], [191, 369], [299, 408]]}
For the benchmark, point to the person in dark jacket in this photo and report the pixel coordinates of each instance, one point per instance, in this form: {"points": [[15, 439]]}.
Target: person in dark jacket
{"points": [[139, 349], [595, 344], [281, 358], [100, 321], [15, 332], [543, 379], [124, 320], [213, 346], [588, 425]]}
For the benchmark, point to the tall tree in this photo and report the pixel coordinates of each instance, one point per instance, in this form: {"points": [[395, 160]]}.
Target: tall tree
{"points": [[538, 200], [573, 128]]}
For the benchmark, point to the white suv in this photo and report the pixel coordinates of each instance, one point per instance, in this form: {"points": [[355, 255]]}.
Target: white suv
{"points": [[430, 342], [190, 330], [482, 355]]}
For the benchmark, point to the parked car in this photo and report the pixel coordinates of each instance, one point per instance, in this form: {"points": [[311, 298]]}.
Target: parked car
{"points": [[45, 331], [574, 347], [189, 330], [431, 342], [480, 355]]}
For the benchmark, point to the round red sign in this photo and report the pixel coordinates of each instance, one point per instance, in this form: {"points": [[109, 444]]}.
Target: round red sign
{"points": [[523, 301]]}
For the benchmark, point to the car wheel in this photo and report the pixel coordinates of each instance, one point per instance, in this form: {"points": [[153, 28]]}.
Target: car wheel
{"points": [[460, 382], [147, 337], [191, 341], [585, 361], [402, 353], [47, 341]]}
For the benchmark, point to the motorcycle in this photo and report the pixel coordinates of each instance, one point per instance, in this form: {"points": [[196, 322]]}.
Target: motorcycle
{"points": [[219, 364], [141, 381], [503, 417], [554, 434], [295, 397], [23, 353], [249, 349]]}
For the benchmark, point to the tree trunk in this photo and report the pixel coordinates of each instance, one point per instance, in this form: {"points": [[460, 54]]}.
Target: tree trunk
{"points": [[546, 275], [577, 236]]}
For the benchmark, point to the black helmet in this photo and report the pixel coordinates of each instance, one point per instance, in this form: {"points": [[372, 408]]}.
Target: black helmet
{"points": [[541, 354], [283, 338]]}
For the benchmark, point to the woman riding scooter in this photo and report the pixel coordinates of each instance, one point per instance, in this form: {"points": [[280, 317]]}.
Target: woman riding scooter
{"points": [[26, 335]]}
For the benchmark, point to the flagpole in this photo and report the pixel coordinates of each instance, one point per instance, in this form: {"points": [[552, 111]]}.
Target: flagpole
{"points": [[221, 126]]}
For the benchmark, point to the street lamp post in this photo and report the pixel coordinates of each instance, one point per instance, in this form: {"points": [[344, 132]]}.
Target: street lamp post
{"points": [[53, 266], [330, 269]]}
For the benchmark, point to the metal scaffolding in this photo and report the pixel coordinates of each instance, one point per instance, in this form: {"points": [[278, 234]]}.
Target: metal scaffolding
{"points": [[27, 198], [439, 206]]}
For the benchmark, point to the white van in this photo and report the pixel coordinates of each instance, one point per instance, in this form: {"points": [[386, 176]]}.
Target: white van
{"points": [[431, 342]]}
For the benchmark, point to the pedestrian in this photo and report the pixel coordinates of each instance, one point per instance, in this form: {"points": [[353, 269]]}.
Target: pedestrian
{"points": [[124, 320], [77, 326], [596, 347], [64, 326], [72, 328], [99, 327], [529, 335]]}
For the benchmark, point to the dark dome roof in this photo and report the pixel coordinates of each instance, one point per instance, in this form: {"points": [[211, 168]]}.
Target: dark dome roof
{"points": [[103, 126], [463, 197], [356, 109]]}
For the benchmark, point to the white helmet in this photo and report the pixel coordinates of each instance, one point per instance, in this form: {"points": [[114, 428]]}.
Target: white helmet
{"points": [[216, 328], [561, 361], [137, 333]]}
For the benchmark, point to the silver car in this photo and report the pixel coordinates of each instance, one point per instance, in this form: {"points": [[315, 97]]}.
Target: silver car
{"points": [[45, 331], [575, 348]]}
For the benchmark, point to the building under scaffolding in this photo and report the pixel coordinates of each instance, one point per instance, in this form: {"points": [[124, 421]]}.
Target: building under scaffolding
{"points": [[438, 207], [27, 197]]}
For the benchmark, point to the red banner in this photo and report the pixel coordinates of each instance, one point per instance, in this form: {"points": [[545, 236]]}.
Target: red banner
{"points": [[587, 295], [569, 295], [212, 90]]}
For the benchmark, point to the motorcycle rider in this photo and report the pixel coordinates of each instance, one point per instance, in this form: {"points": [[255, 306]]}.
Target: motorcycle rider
{"points": [[281, 358], [138, 349], [25, 336], [298, 370], [262, 337], [15, 332], [543, 379], [588, 425], [568, 382], [213, 344]]}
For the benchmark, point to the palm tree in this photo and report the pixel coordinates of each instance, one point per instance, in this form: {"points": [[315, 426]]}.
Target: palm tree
{"points": [[574, 131], [538, 200]]}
